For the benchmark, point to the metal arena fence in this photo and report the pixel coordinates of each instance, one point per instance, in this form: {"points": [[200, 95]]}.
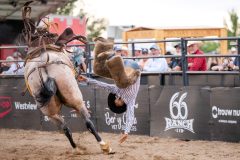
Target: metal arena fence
{"points": [[209, 100], [183, 41]]}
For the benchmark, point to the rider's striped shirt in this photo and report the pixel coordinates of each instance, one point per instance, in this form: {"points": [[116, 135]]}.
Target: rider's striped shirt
{"points": [[128, 95]]}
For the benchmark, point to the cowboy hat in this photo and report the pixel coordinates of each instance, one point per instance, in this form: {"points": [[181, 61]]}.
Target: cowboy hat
{"points": [[112, 106], [193, 42]]}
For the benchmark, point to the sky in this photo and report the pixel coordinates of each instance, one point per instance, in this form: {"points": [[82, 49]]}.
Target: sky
{"points": [[161, 13]]}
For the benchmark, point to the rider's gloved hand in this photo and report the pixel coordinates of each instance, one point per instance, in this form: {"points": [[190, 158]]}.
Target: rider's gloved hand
{"points": [[82, 78]]}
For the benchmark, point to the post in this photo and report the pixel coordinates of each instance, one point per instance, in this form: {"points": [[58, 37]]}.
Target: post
{"points": [[88, 57], [238, 52], [223, 43], [133, 49], [184, 62]]}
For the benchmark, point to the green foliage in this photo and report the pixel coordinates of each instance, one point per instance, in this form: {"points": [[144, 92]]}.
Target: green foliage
{"points": [[67, 9], [234, 20], [234, 30], [209, 47], [95, 27]]}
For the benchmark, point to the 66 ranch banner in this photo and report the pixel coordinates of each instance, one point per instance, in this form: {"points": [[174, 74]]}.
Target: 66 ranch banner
{"points": [[179, 114]]}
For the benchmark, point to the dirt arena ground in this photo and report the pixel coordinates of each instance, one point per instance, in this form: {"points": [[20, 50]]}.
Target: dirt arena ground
{"points": [[38, 145]]}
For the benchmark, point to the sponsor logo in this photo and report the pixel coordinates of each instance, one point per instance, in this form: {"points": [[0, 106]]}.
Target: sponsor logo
{"points": [[5, 106], [179, 114], [119, 122], [73, 113], [225, 115], [25, 106]]}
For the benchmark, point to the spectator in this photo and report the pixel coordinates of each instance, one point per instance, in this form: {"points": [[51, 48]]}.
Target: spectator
{"points": [[145, 51], [169, 60], [118, 50], [212, 61], [172, 62], [124, 51], [6, 65], [227, 65], [195, 63], [138, 52], [233, 51], [236, 64], [155, 64], [17, 67], [177, 64], [78, 59], [143, 61]]}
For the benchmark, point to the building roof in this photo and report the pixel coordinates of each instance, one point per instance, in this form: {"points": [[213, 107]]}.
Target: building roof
{"points": [[140, 29], [11, 9]]}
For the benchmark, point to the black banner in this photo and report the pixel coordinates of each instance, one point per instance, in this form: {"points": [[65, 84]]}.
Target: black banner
{"points": [[225, 114], [108, 121], [213, 80], [17, 111], [74, 122], [191, 112], [181, 112]]}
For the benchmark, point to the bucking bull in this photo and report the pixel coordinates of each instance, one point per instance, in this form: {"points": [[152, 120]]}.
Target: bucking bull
{"points": [[50, 77]]}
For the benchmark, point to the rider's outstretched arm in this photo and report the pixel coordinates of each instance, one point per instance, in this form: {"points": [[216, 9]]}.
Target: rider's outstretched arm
{"points": [[98, 84]]}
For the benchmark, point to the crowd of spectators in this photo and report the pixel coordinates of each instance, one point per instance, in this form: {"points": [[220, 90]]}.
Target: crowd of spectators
{"points": [[149, 59], [226, 63], [13, 65], [160, 64]]}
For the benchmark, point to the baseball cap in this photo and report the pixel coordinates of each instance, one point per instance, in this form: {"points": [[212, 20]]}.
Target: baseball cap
{"points": [[177, 45], [117, 48], [137, 48], [144, 51], [154, 47]]}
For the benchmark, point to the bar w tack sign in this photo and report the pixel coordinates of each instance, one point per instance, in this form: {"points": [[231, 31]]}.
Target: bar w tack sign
{"points": [[178, 110], [107, 121]]}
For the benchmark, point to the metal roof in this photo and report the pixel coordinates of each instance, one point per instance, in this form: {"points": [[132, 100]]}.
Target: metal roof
{"points": [[11, 9]]}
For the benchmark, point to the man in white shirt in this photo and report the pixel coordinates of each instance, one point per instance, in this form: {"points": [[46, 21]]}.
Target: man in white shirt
{"points": [[155, 64]]}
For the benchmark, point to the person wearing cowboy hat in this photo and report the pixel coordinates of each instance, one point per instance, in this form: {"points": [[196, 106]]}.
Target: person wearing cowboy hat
{"points": [[120, 100], [196, 63]]}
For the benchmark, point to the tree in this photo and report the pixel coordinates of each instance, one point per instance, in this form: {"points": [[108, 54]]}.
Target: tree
{"points": [[208, 47], [95, 26], [234, 23], [234, 30], [67, 9]]}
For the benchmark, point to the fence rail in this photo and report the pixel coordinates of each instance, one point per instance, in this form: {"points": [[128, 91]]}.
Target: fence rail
{"points": [[183, 57]]}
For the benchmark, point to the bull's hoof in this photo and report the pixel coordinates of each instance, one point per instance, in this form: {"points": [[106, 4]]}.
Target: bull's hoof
{"points": [[106, 149]]}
